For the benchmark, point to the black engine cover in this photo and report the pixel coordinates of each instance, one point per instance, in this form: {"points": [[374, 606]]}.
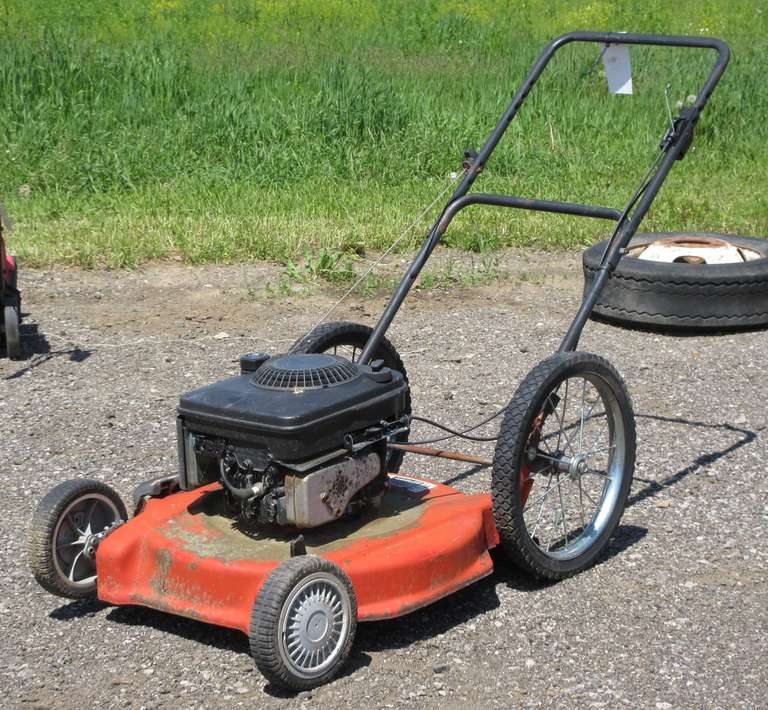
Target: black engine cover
{"points": [[296, 406]]}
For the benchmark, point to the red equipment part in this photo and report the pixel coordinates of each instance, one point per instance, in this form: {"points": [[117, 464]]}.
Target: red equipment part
{"points": [[183, 556], [9, 270]]}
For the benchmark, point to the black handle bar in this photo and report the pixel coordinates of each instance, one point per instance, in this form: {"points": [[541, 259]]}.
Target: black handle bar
{"points": [[673, 148]]}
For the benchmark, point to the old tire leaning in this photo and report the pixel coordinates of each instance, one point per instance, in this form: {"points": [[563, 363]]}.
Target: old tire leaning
{"points": [[682, 296], [303, 623], [57, 536]]}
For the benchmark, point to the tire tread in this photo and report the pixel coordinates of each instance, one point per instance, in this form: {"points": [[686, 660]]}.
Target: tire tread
{"points": [[43, 526], [512, 437], [266, 615]]}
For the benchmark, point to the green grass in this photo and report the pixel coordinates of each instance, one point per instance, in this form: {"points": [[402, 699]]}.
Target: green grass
{"points": [[224, 131]]}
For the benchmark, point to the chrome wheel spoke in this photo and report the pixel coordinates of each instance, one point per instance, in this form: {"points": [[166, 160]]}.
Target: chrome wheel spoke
{"points": [[590, 498], [562, 417], [562, 434], [543, 496], [539, 454], [600, 451], [578, 445], [562, 510], [538, 517], [598, 473], [581, 424]]}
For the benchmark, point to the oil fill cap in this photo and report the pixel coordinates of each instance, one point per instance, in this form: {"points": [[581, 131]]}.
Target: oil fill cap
{"points": [[250, 362], [379, 373]]}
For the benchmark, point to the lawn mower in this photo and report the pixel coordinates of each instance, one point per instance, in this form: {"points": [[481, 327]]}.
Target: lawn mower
{"points": [[9, 292], [288, 518]]}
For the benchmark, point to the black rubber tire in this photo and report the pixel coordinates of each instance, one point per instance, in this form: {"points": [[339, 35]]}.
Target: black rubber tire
{"points": [[524, 407], [338, 333], [265, 621], [654, 295], [13, 346], [42, 529]]}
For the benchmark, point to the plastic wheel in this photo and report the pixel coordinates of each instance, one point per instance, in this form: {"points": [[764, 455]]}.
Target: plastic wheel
{"points": [[59, 548], [12, 337], [348, 339], [303, 623], [563, 464]]}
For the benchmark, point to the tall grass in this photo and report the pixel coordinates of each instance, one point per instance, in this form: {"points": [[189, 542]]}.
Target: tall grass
{"points": [[250, 129]]}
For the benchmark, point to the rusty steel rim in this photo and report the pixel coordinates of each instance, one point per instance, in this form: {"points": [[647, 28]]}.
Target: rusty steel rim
{"points": [[315, 625], [693, 249], [573, 467]]}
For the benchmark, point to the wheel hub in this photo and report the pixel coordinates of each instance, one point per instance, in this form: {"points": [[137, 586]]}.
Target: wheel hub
{"points": [[577, 467], [317, 627], [313, 628]]}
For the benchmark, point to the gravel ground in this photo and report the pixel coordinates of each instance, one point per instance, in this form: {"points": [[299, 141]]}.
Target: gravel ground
{"points": [[674, 614]]}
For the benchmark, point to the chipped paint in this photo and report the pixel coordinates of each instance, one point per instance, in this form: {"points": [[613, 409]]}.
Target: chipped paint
{"points": [[183, 555]]}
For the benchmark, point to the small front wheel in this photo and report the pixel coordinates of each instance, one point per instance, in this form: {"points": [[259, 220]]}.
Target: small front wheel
{"points": [[563, 464], [12, 337], [60, 543], [303, 623]]}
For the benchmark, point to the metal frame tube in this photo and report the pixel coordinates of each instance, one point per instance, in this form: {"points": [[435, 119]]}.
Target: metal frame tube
{"points": [[459, 200]]}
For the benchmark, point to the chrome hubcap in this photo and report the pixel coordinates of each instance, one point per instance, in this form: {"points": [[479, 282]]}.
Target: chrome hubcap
{"points": [[314, 625]]}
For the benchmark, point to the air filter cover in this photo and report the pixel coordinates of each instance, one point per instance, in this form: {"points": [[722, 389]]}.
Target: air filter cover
{"points": [[304, 372], [298, 405]]}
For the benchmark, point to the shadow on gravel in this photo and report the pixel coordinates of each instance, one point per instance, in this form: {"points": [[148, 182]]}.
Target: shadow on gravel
{"points": [[463, 606], [624, 537], [677, 331], [78, 609], [190, 630], [436, 619], [207, 634], [421, 625], [37, 350], [357, 660], [703, 461]]}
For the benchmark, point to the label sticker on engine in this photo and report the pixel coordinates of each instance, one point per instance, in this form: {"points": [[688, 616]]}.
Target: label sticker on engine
{"points": [[411, 484]]}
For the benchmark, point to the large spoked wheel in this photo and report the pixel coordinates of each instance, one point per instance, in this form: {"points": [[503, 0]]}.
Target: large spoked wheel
{"points": [[61, 544], [563, 464], [348, 340], [303, 623], [12, 336]]}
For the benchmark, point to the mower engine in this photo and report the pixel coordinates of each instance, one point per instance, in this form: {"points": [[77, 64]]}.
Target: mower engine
{"points": [[295, 440]]}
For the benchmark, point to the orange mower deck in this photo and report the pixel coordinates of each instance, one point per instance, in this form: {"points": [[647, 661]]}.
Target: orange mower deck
{"points": [[182, 555]]}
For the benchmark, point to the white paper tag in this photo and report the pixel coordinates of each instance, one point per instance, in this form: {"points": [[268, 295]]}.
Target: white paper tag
{"points": [[618, 70]]}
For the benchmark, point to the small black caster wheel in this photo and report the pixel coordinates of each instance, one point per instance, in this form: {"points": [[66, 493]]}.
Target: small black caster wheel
{"points": [[12, 337], [303, 623], [61, 543], [563, 464]]}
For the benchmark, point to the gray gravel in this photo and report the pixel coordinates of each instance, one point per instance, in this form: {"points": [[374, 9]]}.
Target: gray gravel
{"points": [[674, 615]]}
